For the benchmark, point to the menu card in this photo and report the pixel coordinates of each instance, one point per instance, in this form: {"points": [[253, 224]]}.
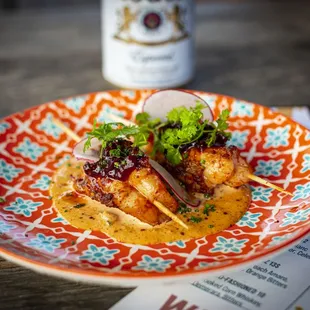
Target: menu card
{"points": [[278, 283]]}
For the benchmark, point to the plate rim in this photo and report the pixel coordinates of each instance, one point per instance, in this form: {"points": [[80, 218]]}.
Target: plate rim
{"points": [[89, 276]]}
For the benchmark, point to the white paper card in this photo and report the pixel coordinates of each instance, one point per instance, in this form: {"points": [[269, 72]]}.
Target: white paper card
{"points": [[281, 283]]}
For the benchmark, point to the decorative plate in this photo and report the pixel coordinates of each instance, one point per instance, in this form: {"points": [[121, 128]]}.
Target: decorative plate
{"points": [[32, 233]]}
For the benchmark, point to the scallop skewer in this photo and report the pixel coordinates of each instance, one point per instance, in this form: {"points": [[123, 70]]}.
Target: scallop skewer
{"points": [[250, 176], [156, 203]]}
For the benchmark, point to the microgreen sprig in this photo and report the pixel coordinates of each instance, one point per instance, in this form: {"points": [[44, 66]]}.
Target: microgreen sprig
{"points": [[183, 126]]}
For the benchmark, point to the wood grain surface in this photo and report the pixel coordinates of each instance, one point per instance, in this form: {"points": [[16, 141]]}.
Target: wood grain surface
{"points": [[253, 50], [26, 290]]}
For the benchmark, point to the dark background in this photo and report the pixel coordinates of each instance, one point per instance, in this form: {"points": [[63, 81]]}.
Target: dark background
{"points": [[254, 50]]}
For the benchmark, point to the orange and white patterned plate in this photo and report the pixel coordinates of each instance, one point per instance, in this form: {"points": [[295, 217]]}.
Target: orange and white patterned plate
{"points": [[34, 235]]}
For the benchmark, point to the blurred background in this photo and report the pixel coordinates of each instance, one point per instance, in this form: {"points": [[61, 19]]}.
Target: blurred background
{"points": [[254, 50]]}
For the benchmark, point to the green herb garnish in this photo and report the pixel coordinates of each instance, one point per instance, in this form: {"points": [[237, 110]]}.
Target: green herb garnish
{"points": [[116, 152], [211, 226], [183, 208], [2, 200], [195, 219], [208, 208], [203, 161], [79, 205], [183, 126], [111, 131]]}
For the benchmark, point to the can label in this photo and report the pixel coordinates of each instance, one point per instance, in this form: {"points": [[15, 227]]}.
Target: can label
{"points": [[147, 44]]}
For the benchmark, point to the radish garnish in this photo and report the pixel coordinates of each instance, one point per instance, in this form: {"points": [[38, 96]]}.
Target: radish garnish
{"points": [[160, 103], [91, 155], [178, 190]]}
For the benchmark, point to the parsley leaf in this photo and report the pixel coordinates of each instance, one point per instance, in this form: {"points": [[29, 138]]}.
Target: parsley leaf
{"points": [[187, 126], [142, 118], [111, 131]]}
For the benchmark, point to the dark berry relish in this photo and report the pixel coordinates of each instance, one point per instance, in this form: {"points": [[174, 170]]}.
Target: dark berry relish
{"points": [[119, 158]]}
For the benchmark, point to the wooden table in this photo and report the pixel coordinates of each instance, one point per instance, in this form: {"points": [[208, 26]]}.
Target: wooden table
{"points": [[257, 51]]}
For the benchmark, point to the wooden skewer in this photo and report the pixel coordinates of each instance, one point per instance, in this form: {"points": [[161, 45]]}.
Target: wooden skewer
{"points": [[264, 182], [250, 176], [165, 210], [67, 130], [156, 203]]}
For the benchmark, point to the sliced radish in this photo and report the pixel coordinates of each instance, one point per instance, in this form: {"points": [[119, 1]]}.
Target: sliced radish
{"points": [[174, 185], [160, 103], [91, 155]]}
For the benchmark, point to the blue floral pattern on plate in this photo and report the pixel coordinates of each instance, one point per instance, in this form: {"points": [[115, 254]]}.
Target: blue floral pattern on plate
{"points": [[43, 183], [249, 219], [306, 163], [8, 171], [294, 218], [5, 227], [49, 127], [24, 207], [30, 150], [242, 108], [279, 239], [239, 138], [302, 191], [100, 255], [229, 245], [269, 167], [204, 265], [47, 243], [277, 137], [4, 126], [75, 103], [178, 243], [129, 93], [157, 264], [260, 193], [106, 111], [60, 219], [308, 136]]}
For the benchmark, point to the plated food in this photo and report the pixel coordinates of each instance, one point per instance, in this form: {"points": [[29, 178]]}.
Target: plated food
{"points": [[33, 234], [123, 180]]}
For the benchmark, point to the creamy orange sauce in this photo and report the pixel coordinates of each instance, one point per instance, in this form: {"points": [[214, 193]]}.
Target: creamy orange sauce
{"points": [[85, 213]]}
